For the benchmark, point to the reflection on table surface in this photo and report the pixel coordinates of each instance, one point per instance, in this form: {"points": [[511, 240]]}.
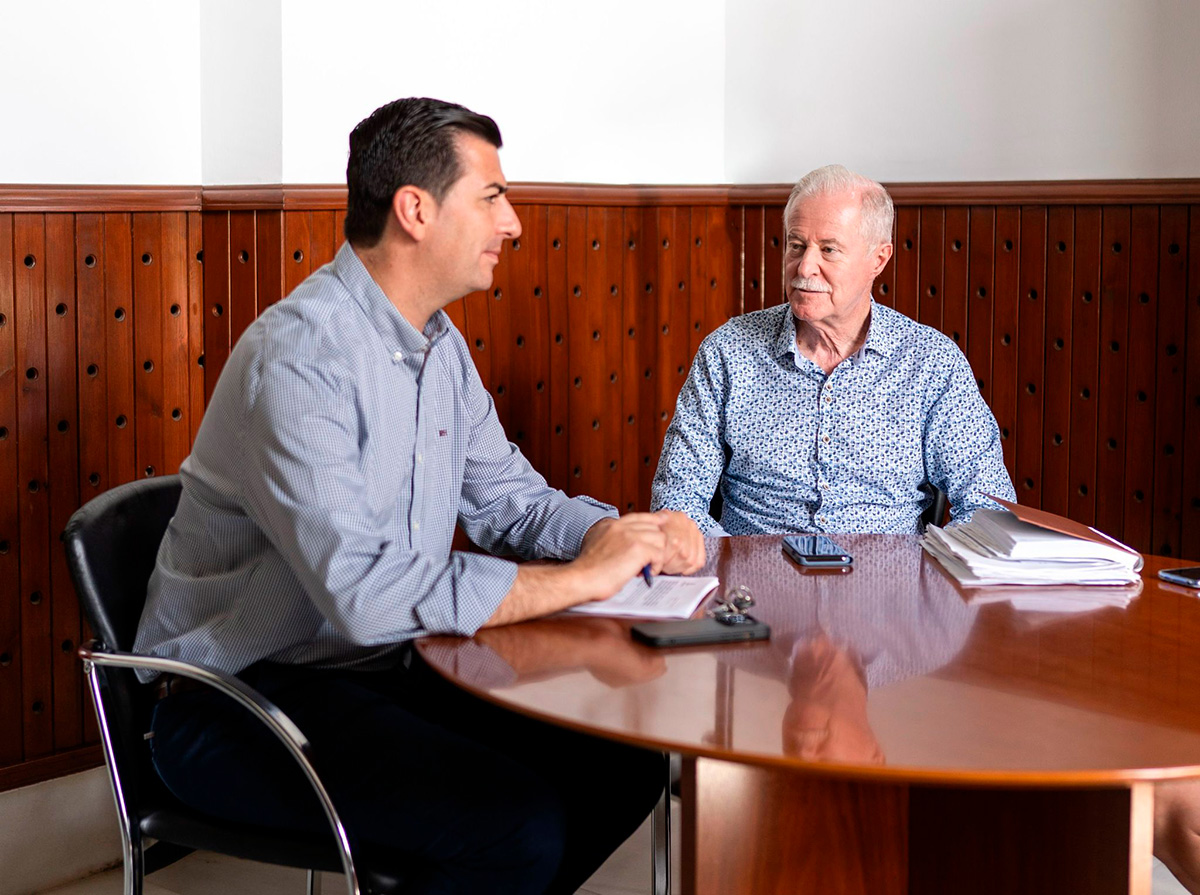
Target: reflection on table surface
{"points": [[888, 668]]}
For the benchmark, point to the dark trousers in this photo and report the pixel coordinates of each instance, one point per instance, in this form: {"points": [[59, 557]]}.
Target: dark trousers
{"points": [[449, 792]]}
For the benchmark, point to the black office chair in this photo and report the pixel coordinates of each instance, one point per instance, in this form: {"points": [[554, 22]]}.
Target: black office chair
{"points": [[935, 513], [111, 545]]}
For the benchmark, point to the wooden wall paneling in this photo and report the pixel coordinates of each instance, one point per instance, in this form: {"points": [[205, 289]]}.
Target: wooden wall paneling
{"points": [[118, 295], [1005, 332], [176, 355], [148, 343], [1189, 545], [195, 322], [582, 355], [907, 261], [698, 278], [217, 341], [66, 703], [612, 256], [243, 274], [476, 329], [11, 739], [754, 257], [956, 256], [269, 259], [1085, 364], [674, 266], [94, 424], [980, 300], [91, 322], [29, 312], [297, 248], [339, 230], [324, 240], [638, 336], [499, 340], [529, 410], [721, 285], [929, 264], [557, 290], [1111, 430], [1060, 273], [773, 293], [1169, 391], [1141, 349], [1031, 352]]}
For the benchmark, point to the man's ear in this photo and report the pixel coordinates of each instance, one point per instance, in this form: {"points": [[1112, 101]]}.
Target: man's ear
{"points": [[883, 254], [413, 208]]}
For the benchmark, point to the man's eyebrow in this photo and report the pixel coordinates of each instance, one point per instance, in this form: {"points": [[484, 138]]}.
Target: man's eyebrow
{"points": [[499, 187]]}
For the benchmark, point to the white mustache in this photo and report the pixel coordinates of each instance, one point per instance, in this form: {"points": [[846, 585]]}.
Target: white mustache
{"points": [[806, 285]]}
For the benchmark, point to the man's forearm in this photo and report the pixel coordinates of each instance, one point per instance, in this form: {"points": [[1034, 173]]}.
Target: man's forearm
{"points": [[541, 590]]}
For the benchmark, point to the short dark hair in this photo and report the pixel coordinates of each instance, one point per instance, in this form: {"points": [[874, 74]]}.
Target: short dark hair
{"points": [[408, 142]]}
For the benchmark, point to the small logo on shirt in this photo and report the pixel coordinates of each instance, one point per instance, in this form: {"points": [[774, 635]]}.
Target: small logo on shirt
{"points": [[441, 433]]}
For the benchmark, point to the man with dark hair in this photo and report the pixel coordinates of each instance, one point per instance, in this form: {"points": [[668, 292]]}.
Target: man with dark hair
{"points": [[347, 436]]}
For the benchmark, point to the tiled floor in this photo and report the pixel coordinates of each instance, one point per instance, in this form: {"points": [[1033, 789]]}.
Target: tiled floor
{"points": [[627, 872]]}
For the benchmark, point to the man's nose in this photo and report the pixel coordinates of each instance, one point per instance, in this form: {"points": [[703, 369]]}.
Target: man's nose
{"points": [[809, 262], [509, 224]]}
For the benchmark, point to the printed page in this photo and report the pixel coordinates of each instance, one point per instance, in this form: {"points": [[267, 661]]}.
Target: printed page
{"points": [[670, 596]]}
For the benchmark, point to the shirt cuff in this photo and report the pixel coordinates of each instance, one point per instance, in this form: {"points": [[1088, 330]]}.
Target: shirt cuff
{"points": [[565, 530], [480, 583]]}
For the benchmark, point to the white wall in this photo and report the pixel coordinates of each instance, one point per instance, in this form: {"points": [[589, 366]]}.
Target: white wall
{"points": [[630, 91], [953, 90], [241, 97], [100, 92], [616, 92]]}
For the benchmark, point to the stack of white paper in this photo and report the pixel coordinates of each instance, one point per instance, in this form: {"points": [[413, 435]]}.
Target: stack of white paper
{"points": [[670, 596], [996, 547]]}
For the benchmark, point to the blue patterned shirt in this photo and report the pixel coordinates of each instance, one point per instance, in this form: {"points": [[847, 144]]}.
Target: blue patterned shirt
{"points": [[319, 502], [843, 452]]}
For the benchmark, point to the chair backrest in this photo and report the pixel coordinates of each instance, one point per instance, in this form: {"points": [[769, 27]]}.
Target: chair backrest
{"points": [[111, 545]]}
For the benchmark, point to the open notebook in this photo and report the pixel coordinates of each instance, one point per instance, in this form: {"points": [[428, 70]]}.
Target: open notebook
{"points": [[670, 596]]}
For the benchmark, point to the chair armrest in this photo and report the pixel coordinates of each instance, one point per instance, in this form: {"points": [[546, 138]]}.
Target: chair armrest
{"points": [[259, 706]]}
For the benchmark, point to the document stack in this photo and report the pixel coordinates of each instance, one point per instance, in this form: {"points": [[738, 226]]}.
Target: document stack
{"points": [[1024, 546]]}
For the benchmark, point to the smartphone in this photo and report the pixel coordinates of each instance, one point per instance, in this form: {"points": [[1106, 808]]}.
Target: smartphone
{"points": [[697, 631], [815, 550], [1189, 577]]}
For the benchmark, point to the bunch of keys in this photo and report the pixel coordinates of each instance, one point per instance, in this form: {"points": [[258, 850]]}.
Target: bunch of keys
{"points": [[731, 609]]}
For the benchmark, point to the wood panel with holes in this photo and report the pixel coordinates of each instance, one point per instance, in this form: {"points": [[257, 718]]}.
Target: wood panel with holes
{"points": [[1078, 306]]}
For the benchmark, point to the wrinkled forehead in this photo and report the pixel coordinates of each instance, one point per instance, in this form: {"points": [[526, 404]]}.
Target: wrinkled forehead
{"points": [[835, 209]]}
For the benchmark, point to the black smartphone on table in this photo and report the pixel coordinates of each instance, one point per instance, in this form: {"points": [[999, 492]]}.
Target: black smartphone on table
{"points": [[1189, 577], [816, 551], [697, 631]]}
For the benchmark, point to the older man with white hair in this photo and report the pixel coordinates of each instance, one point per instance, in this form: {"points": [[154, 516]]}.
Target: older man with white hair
{"points": [[829, 413]]}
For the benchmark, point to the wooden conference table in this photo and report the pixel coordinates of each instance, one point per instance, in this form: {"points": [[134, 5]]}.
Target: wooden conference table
{"points": [[892, 736]]}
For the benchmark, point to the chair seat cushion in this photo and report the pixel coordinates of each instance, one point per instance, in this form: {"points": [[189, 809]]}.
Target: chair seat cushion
{"points": [[261, 844]]}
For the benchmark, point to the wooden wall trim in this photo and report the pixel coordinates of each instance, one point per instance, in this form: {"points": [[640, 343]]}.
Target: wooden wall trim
{"points": [[332, 197], [99, 198], [38, 769]]}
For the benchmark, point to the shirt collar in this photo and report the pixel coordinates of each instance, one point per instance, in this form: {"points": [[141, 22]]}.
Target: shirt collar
{"points": [[401, 337], [881, 334]]}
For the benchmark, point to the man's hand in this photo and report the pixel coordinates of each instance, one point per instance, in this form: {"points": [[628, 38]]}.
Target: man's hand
{"points": [[615, 550], [685, 544]]}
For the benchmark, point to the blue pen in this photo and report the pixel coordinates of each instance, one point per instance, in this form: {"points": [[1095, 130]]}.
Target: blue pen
{"points": [[646, 576]]}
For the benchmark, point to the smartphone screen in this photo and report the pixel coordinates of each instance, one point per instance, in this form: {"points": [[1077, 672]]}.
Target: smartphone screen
{"points": [[815, 550], [1189, 577]]}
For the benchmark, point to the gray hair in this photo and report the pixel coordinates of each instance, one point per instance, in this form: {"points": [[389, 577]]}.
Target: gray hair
{"points": [[876, 208]]}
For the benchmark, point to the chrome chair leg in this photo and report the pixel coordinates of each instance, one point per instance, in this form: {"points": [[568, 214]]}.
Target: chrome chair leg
{"points": [[660, 835], [313, 883]]}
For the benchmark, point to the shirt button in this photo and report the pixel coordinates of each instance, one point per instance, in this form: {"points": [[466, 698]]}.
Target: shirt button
{"points": [[828, 399], [416, 526], [420, 458], [398, 356], [825, 438]]}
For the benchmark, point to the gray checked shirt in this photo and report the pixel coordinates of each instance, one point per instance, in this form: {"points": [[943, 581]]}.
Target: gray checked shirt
{"points": [[339, 450]]}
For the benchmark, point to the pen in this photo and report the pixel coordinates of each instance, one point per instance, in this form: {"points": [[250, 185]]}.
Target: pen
{"points": [[646, 576]]}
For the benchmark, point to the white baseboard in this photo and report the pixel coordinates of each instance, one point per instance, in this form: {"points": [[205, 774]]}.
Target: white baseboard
{"points": [[57, 831]]}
